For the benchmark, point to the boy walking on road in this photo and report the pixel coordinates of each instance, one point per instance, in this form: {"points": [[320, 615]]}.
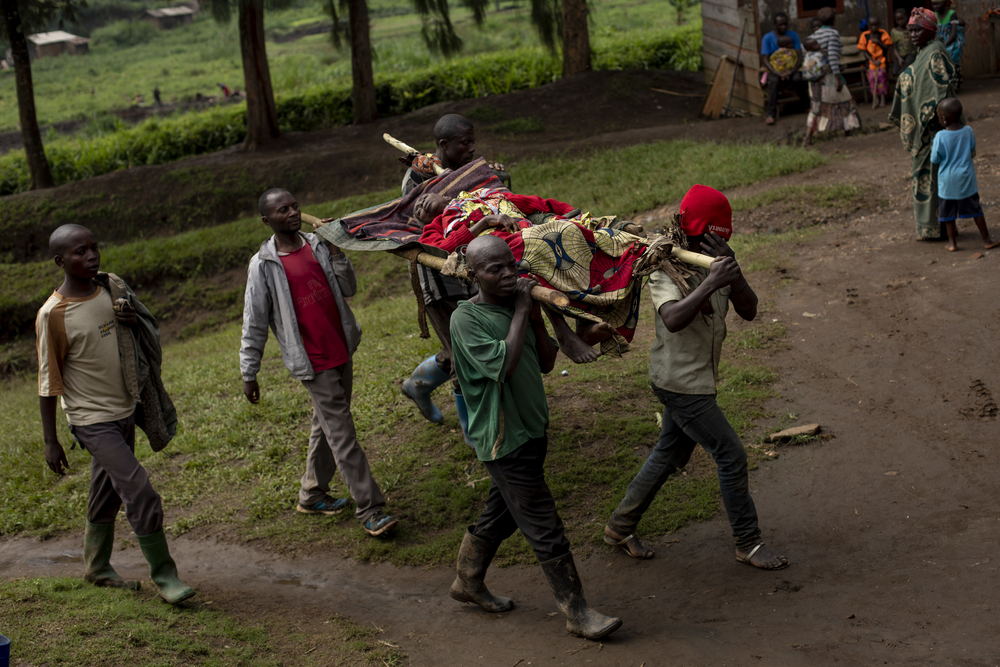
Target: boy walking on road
{"points": [[82, 360], [683, 369], [501, 349], [298, 287]]}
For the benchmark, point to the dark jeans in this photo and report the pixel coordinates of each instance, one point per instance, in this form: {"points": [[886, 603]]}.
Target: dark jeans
{"points": [[439, 313], [116, 476], [689, 420], [520, 498], [774, 84]]}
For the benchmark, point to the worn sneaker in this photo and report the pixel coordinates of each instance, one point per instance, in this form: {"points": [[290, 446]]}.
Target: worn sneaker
{"points": [[328, 505], [379, 523]]}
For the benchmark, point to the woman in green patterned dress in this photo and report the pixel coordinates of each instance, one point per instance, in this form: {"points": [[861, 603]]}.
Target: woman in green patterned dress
{"points": [[920, 87]]}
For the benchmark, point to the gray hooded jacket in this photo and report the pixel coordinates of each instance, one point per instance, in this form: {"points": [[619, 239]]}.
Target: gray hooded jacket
{"points": [[268, 302]]}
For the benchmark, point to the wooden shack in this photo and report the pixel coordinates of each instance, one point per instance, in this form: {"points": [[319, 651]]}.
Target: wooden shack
{"points": [[169, 18], [56, 43], [724, 21]]}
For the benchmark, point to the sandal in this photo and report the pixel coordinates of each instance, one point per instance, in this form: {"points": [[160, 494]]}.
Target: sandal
{"points": [[746, 559], [630, 545]]}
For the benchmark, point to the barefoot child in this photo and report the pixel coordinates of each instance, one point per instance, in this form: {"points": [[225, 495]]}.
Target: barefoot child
{"points": [[79, 360], [958, 193], [876, 44], [814, 70]]}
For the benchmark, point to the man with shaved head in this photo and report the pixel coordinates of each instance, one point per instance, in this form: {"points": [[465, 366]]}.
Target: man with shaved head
{"points": [[299, 287], [81, 361], [501, 349], [455, 138]]}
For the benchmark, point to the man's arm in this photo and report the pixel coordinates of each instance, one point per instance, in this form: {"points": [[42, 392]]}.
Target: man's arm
{"points": [[742, 296], [55, 455], [256, 313], [544, 345], [677, 315], [519, 324]]}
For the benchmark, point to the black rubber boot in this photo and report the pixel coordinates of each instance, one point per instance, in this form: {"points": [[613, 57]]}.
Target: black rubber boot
{"points": [[474, 558], [98, 542], [581, 620], [162, 568]]}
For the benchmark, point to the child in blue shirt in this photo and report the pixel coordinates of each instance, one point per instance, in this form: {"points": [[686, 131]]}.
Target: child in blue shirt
{"points": [[953, 150]]}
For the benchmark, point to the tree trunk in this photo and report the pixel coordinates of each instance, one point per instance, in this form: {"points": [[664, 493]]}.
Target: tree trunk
{"points": [[575, 37], [38, 164], [262, 116], [363, 94]]}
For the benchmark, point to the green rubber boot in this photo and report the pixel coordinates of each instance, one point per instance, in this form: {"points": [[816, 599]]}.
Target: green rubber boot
{"points": [[162, 568], [98, 542]]}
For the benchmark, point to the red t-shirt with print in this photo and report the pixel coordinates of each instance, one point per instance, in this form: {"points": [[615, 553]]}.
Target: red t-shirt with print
{"points": [[315, 309]]}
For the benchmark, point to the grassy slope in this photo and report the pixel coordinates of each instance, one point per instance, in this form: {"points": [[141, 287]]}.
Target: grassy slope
{"points": [[630, 180], [192, 59], [68, 622], [226, 444]]}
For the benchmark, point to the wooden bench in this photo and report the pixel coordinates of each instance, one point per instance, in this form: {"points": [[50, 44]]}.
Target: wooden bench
{"points": [[854, 66]]}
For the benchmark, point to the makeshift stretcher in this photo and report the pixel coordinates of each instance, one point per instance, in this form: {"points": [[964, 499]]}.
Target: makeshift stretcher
{"points": [[602, 284]]}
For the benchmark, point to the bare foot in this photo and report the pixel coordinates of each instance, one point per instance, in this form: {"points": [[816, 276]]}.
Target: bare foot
{"points": [[630, 544], [989, 244], [951, 247], [593, 333], [763, 557], [575, 348]]}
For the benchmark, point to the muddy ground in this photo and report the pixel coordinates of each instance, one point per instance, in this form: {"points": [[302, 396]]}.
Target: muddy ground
{"points": [[891, 526]]}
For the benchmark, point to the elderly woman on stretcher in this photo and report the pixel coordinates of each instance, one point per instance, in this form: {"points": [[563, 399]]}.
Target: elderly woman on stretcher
{"points": [[590, 259]]}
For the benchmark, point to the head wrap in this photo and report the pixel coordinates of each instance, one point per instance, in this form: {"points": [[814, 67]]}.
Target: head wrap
{"points": [[925, 18], [705, 209]]}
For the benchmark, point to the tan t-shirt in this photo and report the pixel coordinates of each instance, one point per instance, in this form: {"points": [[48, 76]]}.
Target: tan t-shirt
{"points": [[78, 358], [687, 362]]}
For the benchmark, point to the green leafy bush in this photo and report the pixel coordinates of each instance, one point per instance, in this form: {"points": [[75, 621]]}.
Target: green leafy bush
{"points": [[157, 141]]}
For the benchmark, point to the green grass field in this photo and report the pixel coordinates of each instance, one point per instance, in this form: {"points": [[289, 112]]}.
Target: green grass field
{"points": [[128, 59]]}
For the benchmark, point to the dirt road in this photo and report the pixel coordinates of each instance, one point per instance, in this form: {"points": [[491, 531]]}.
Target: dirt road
{"points": [[891, 526]]}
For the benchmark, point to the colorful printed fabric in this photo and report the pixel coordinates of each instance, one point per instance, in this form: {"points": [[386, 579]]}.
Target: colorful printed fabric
{"points": [[831, 109], [783, 61], [925, 18], [391, 225], [920, 87], [874, 50], [878, 81], [592, 267], [957, 48], [469, 208], [425, 164], [812, 65]]}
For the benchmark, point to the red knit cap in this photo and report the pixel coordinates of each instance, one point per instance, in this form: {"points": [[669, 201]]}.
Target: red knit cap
{"points": [[705, 209]]}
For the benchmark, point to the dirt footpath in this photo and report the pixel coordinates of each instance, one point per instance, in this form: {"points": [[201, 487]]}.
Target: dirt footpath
{"points": [[891, 526]]}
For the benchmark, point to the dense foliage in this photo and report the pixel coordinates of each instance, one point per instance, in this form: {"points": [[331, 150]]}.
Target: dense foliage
{"points": [[157, 141]]}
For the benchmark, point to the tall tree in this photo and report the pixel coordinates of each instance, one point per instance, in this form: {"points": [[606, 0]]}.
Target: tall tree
{"points": [[20, 17], [262, 114], [575, 37], [363, 90]]}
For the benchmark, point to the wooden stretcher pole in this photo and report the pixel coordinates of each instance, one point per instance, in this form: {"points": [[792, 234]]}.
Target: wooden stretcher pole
{"points": [[396, 143], [689, 257], [538, 293]]}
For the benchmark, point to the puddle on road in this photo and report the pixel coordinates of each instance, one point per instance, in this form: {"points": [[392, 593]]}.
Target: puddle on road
{"points": [[293, 581], [67, 558]]}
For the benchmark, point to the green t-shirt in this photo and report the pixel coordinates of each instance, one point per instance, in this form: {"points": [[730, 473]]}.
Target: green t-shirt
{"points": [[687, 362], [503, 414]]}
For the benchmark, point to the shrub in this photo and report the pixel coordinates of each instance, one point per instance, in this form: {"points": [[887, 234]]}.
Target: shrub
{"points": [[157, 141]]}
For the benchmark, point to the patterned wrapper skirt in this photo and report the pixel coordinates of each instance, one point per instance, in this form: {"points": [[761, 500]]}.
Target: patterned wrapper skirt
{"points": [[831, 109], [878, 81]]}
